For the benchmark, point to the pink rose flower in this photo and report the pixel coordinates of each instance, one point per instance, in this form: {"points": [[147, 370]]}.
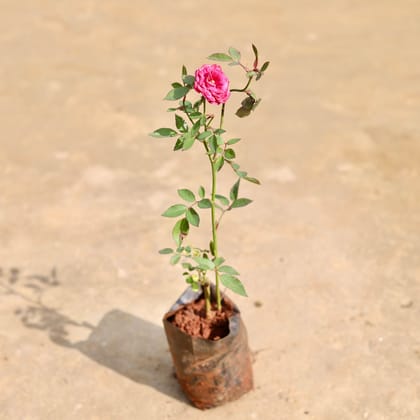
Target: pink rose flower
{"points": [[212, 83]]}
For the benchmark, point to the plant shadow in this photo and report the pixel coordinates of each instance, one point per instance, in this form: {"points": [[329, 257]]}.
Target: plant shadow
{"points": [[128, 345]]}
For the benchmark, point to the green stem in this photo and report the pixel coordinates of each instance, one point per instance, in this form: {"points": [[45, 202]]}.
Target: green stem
{"points": [[244, 88], [214, 232], [222, 115], [207, 297]]}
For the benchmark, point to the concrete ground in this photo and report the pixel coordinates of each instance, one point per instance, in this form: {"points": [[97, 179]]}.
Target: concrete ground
{"points": [[328, 251]]}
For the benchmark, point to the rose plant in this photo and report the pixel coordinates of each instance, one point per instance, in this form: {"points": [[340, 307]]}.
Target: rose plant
{"points": [[194, 125]]}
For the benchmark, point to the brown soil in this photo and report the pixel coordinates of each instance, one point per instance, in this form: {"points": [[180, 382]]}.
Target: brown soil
{"points": [[191, 319]]}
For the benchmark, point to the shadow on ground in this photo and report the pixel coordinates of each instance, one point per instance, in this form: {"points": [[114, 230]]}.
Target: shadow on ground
{"points": [[129, 345]]}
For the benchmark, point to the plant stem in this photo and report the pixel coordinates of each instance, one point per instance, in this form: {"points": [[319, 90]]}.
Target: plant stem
{"points": [[222, 115], [214, 232], [245, 87], [207, 297]]}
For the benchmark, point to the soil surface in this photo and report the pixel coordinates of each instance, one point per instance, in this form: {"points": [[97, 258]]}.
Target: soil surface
{"points": [[328, 250], [192, 319]]}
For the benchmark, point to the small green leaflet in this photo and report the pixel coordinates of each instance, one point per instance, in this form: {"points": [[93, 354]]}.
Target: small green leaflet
{"points": [[218, 164], [166, 251], [180, 123], [228, 270], [204, 263], [253, 180], [218, 261], [193, 217], [164, 132], [234, 53], [177, 93], [187, 195], [175, 210], [233, 283], [232, 141], [222, 199], [204, 135], [180, 230], [240, 202], [234, 190], [205, 203], [230, 154], [175, 259], [220, 57], [264, 66], [189, 80]]}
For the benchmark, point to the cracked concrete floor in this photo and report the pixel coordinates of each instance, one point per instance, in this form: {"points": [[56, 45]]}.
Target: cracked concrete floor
{"points": [[330, 247]]}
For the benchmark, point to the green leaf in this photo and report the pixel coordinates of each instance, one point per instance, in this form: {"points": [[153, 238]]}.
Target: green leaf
{"points": [[240, 202], [193, 217], [218, 164], [187, 266], [220, 57], [198, 103], [219, 131], [179, 143], [204, 135], [184, 71], [193, 283], [186, 195], [180, 123], [164, 132], [218, 261], [233, 283], [180, 230], [201, 192], [219, 140], [176, 233], [166, 251], [264, 66], [189, 80], [254, 48], [212, 142], [175, 259], [177, 93], [241, 174], [205, 203], [234, 190], [196, 127], [175, 210], [230, 154], [228, 270], [222, 199], [253, 180], [188, 141], [211, 245], [176, 85], [185, 227], [204, 263], [194, 115], [234, 53], [232, 141], [242, 112]]}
